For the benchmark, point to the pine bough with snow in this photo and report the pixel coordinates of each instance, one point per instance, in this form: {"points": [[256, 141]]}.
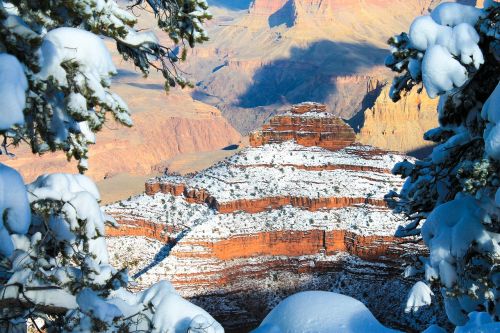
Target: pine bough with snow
{"points": [[55, 76], [452, 198]]}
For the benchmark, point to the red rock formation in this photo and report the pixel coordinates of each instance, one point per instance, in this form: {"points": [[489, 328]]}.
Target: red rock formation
{"points": [[250, 246], [326, 132], [298, 243], [202, 196], [308, 107], [141, 228], [311, 204]]}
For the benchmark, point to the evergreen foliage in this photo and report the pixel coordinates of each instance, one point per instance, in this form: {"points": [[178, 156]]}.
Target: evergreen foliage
{"points": [[55, 77], [452, 197]]}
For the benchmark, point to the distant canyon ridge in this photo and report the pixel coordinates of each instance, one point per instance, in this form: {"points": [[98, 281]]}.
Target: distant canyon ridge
{"points": [[275, 53], [262, 57]]}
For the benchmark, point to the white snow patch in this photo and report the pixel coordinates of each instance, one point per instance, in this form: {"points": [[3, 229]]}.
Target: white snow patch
{"points": [[441, 72], [77, 45], [320, 312], [275, 170], [479, 322], [14, 208], [446, 35], [420, 295], [450, 231], [13, 86], [491, 113], [452, 14], [90, 303]]}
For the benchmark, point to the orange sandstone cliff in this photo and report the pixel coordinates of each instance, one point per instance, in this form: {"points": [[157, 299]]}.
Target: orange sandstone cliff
{"points": [[399, 126], [165, 125]]}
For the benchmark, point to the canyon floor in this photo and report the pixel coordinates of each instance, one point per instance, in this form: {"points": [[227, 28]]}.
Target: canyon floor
{"points": [[124, 185]]}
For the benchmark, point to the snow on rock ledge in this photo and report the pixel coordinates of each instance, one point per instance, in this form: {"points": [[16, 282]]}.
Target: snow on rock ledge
{"points": [[329, 172], [309, 125], [271, 220]]}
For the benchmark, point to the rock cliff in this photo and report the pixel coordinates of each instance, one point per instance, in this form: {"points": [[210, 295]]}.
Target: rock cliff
{"points": [[399, 126], [281, 52], [271, 220], [308, 124]]}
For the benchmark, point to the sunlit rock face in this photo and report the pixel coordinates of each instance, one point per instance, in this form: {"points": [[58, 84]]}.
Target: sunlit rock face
{"points": [[165, 125], [400, 126], [308, 124], [276, 218]]}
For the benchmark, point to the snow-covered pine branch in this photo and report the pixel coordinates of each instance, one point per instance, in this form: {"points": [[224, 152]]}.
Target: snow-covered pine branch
{"points": [[54, 265], [452, 198], [55, 76], [67, 69]]}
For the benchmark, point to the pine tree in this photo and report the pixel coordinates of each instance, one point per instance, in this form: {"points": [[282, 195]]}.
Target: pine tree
{"points": [[452, 198], [55, 94]]}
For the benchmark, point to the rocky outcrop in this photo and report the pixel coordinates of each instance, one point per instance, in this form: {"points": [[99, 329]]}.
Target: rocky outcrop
{"points": [[266, 7], [202, 196], [295, 244], [326, 51], [288, 243], [295, 12], [154, 138], [311, 204], [399, 126], [274, 219], [309, 125], [142, 228]]}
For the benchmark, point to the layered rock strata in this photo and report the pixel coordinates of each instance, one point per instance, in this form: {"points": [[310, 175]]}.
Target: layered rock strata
{"points": [[323, 50], [309, 125], [269, 221], [165, 125]]}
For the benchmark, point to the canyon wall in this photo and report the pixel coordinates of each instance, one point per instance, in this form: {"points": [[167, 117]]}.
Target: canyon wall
{"points": [[155, 137], [399, 126], [165, 125], [282, 52], [202, 196]]}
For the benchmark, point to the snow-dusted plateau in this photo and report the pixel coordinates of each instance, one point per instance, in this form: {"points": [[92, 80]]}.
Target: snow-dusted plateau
{"points": [[302, 208]]}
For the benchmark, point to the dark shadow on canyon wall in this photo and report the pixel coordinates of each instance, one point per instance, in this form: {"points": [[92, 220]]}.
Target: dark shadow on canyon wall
{"points": [[382, 290], [358, 120], [125, 73], [308, 73], [163, 253], [285, 15], [147, 86]]}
